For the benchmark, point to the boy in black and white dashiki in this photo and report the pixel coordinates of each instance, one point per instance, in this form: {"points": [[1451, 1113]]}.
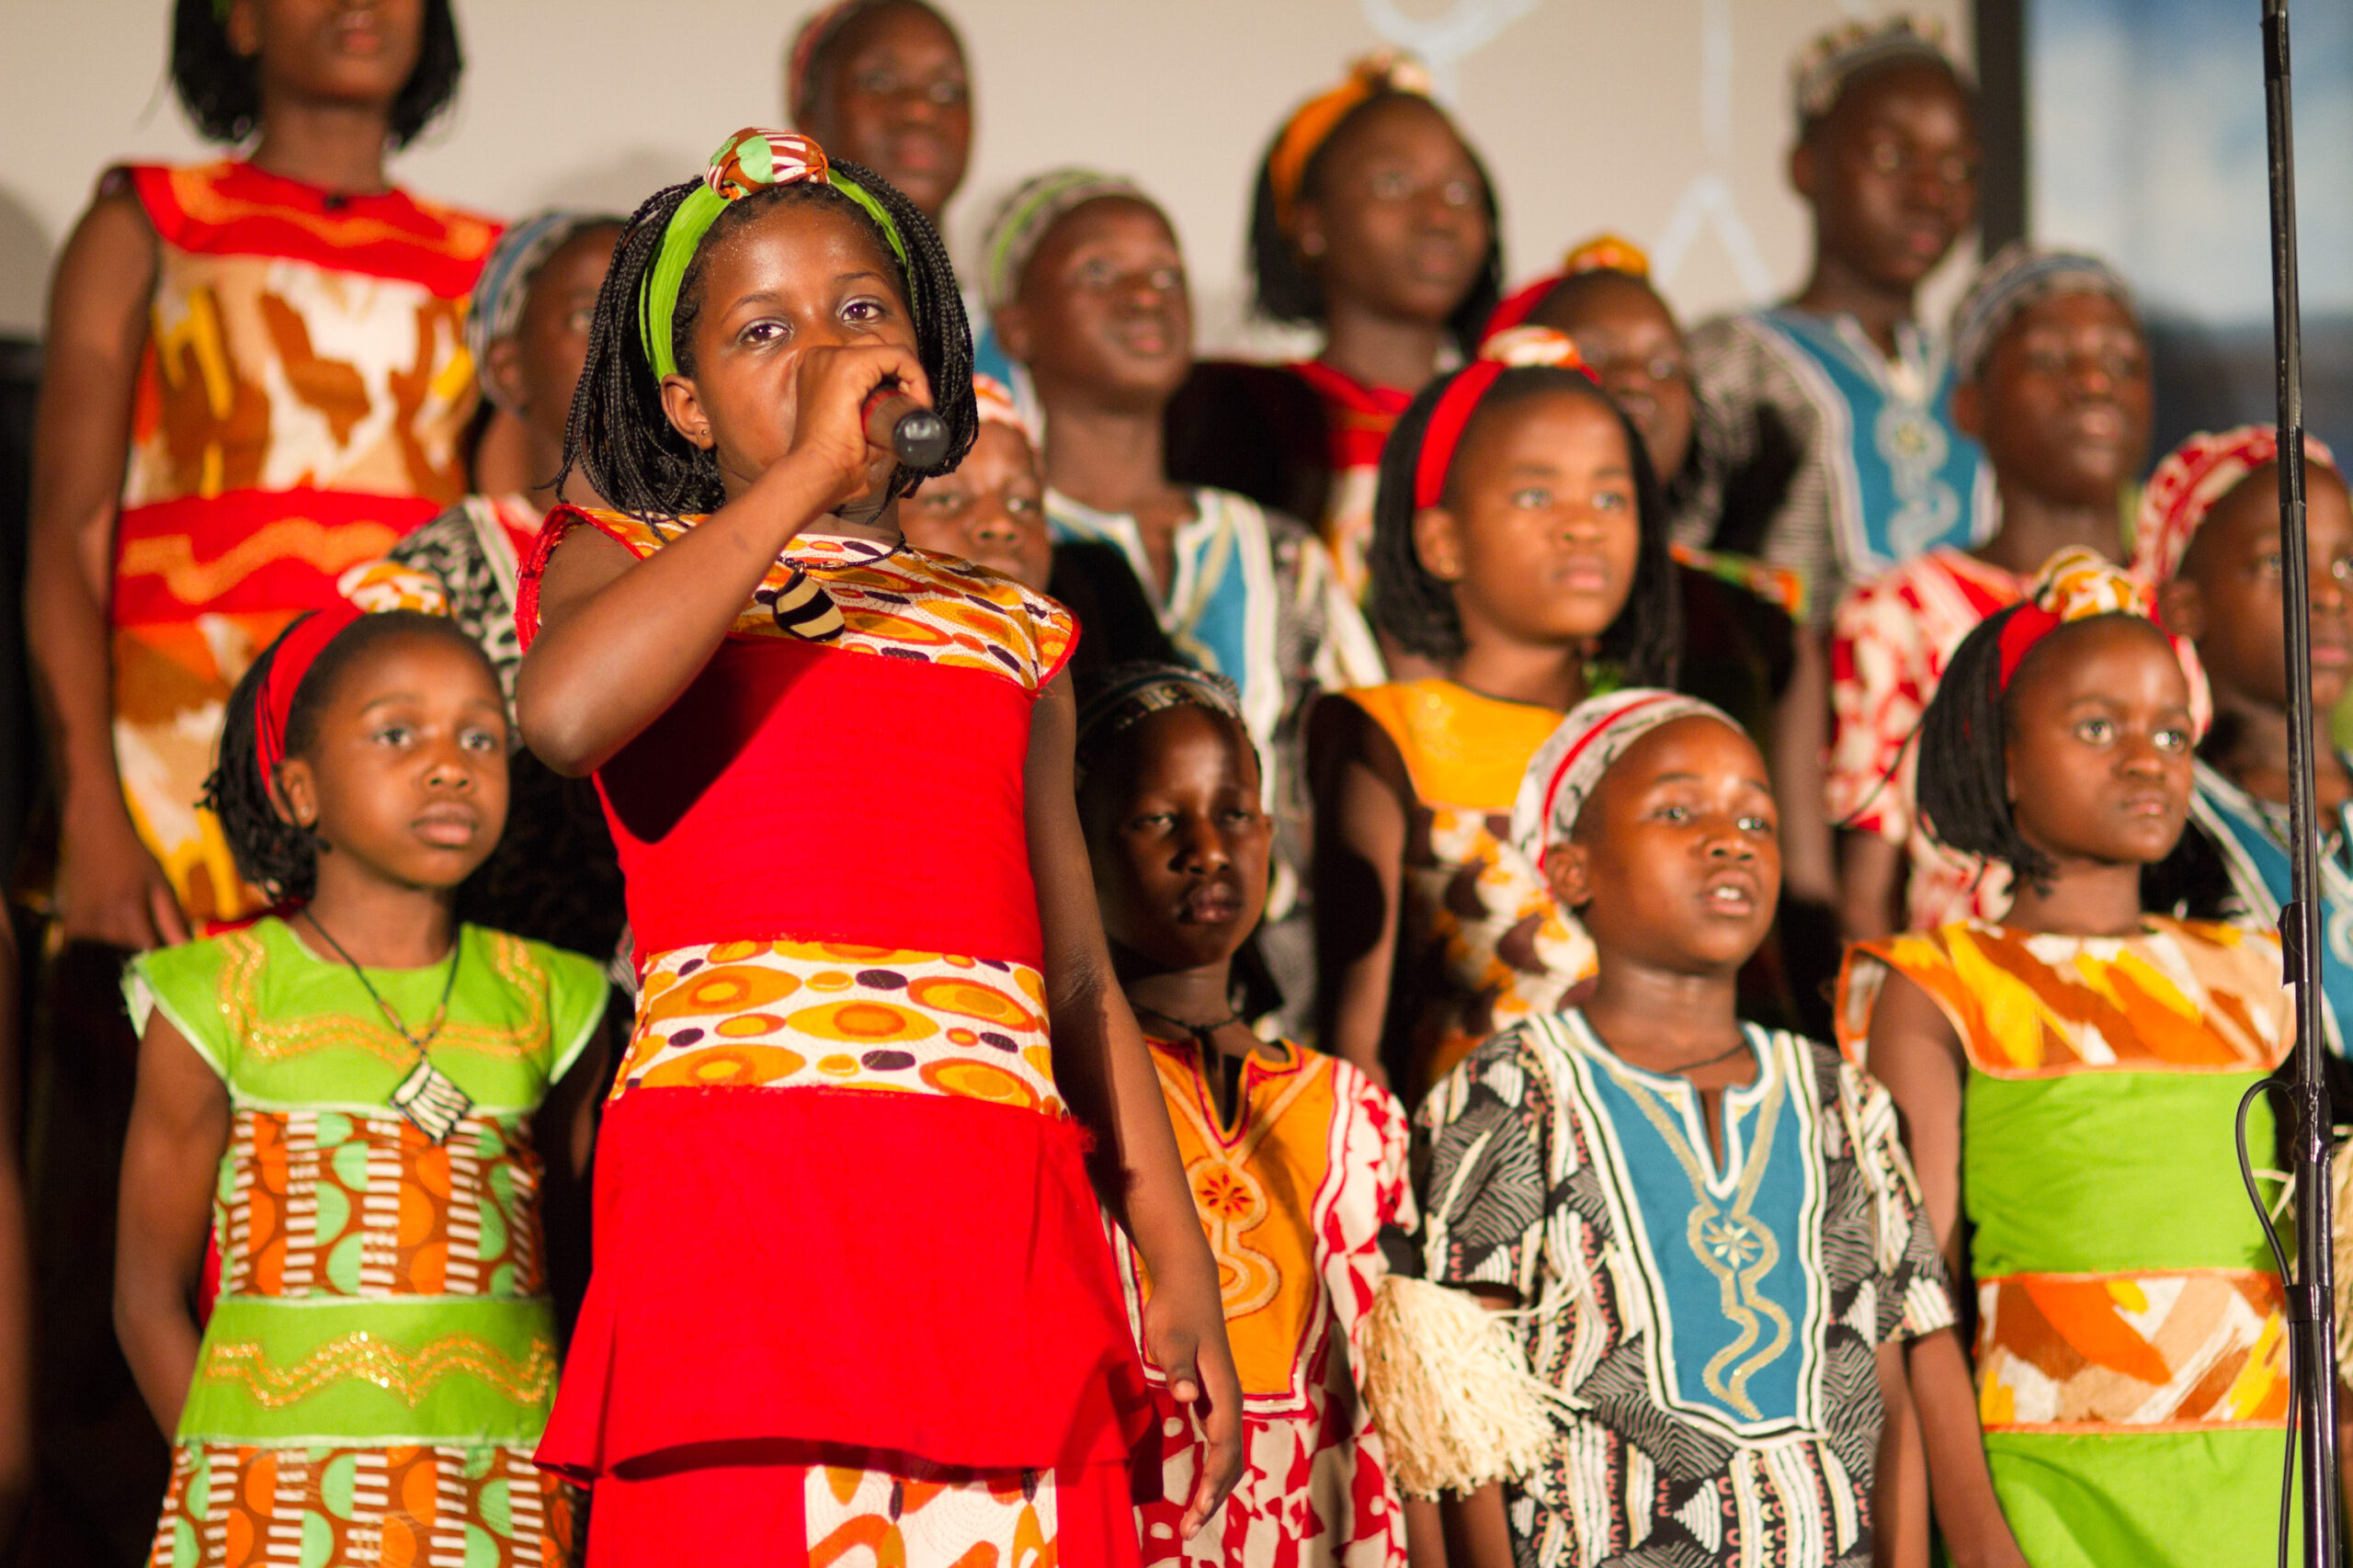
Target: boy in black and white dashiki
{"points": [[1712, 1310]]}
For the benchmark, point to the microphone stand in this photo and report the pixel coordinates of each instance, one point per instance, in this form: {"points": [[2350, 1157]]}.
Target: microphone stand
{"points": [[2310, 1295]]}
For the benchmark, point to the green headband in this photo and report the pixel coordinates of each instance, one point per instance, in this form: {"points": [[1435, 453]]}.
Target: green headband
{"points": [[748, 161]]}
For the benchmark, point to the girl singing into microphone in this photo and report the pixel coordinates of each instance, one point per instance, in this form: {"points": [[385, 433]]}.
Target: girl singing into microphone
{"points": [[851, 1287]]}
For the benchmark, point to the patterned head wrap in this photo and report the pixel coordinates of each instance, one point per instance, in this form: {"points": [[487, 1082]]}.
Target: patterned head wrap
{"points": [[996, 405], [1023, 219], [2193, 478], [369, 588], [1603, 253], [750, 160], [1130, 693], [496, 308], [2020, 274], [1311, 124], [1836, 57], [1521, 346], [1569, 766], [2077, 585]]}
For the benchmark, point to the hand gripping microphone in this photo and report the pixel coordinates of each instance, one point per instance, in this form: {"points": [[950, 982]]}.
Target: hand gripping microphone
{"points": [[915, 434]]}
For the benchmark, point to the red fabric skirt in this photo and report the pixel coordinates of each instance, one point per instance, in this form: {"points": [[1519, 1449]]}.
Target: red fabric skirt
{"points": [[812, 1272], [739, 1508]]}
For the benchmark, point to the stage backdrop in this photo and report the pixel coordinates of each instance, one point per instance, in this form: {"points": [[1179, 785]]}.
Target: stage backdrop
{"points": [[1666, 120], [2145, 122]]}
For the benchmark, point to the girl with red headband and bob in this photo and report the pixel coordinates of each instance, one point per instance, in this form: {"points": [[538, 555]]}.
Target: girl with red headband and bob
{"points": [[1519, 548], [2067, 1079], [852, 1285], [345, 1095]]}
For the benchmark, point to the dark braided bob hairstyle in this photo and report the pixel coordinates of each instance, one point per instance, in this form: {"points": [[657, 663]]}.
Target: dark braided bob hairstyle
{"points": [[620, 437], [1964, 750], [271, 852], [220, 89], [1286, 288], [1417, 608]]}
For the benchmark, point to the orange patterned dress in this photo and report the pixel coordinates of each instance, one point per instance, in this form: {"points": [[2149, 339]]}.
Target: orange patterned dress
{"points": [[1481, 945], [2132, 1362], [1294, 1181], [300, 406]]}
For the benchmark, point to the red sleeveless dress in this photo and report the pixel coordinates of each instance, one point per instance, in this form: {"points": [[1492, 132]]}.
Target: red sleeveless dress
{"points": [[852, 1287]]}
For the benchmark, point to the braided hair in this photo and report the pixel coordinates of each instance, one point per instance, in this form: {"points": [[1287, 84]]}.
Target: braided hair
{"points": [[275, 854], [1416, 608], [1964, 771], [1286, 288], [221, 89], [620, 437]]}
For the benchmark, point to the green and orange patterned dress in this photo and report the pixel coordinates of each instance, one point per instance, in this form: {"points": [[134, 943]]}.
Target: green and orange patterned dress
{"points": [[381, 1356], [2131, 1367]]}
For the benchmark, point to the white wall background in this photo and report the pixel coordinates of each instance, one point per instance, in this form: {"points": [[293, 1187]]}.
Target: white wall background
{"points": [[1666, 121]]}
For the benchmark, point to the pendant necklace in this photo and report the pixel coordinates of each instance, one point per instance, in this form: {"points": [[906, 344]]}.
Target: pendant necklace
{"points": [[432, 1104]]}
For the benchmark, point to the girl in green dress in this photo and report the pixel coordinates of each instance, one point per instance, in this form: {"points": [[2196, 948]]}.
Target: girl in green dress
{"points": [[2067, 1080], [343, 1095]]}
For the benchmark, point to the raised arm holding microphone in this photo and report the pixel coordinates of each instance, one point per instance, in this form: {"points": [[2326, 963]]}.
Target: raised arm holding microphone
{"points": [[833, 890]]}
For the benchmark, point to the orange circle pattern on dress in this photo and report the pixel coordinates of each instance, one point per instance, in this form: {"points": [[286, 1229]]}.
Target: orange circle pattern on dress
{"points": [[725, 1016]]}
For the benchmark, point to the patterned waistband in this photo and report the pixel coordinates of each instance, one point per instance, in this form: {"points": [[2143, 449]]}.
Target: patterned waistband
{"points": [[827, 1015], [2087, 1353]]}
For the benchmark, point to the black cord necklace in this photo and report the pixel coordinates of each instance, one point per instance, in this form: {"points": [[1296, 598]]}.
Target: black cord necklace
{"points": [[1222, 1072], [1691, 1067], [1200, 1033], [427, 1097]]}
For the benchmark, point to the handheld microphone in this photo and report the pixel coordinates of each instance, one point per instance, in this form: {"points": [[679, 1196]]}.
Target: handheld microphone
{"points": [[916, 435]]}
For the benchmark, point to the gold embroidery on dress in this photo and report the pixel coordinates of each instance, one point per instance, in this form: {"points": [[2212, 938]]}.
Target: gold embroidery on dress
{"points": [[1730, 1243], [285, 1040], [410, 1375]]}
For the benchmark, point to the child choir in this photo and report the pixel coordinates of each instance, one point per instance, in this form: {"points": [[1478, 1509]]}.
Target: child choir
{"points": [[1540, 941]]}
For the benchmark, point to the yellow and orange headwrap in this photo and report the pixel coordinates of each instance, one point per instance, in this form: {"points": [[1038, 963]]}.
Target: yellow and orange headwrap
{"points": [[1311, 124], [2077, 585]]}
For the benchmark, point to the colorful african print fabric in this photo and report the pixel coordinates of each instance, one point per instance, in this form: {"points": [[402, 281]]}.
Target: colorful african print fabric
{"points": [[1358, 419], [763, 1339], [2131, 1361], [1481, 945], [1254, 598], [475, 550], [1714, 1322], [1889, 645], [300, 406], [382, 1354], [1879, 472], [814, 1015], [1294, 1188]]}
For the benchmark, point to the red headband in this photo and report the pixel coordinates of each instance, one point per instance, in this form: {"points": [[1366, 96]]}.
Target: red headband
{"points": [[1452, 416], [290, 660], [2029, 624], [1518, 305]]}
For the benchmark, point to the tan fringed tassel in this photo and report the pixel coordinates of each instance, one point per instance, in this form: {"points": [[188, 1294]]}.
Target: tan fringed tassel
{"points": [[1451, 1393]]}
